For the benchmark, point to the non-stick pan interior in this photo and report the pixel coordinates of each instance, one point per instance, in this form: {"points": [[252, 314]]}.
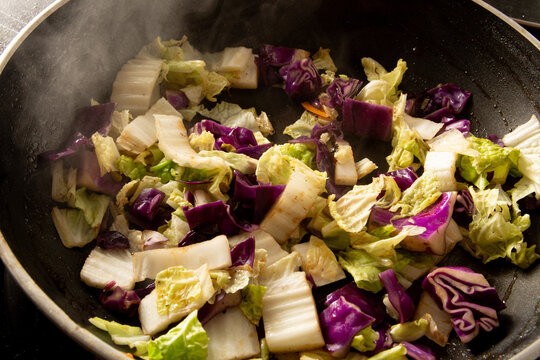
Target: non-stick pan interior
{"points": [[74, 55]]}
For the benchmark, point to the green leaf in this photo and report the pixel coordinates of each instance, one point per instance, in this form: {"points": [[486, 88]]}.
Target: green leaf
{"points": [[273, 167], [305, 152], [365, 340], [92, 205], [409, 331], [187, 340], [496, 232], [251, 304], [129, 167], [396, 353], [422, 193], [363, 267]]}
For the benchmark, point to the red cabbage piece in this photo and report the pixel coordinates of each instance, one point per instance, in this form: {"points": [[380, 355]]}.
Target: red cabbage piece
{"points": [[400, 300], [385, 340], [276, 55], [214, 219], [177, 98], [252, 200], [450, 96], [463, 125], [324, 159], [147, 203], [89, 175], [496, 140], [243, 253], [366, 301], [88, 120], [242, 139], [121, 301], [302, 79], [404, 177], [367, 120], [222, 301], [442, 115], [192, 237], [441, 102], [163, 213], [467, 296], [463, 208], [238, 137], [340, 89], [112, 240], [333, 128], [340, 322], [270, 60], [256, 151], [418, 351], [155, 241], [77, 142], [434, 218]]}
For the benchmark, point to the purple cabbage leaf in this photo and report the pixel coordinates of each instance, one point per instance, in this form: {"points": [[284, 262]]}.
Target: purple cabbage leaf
{"points": [[467, 297], [302, 79], [340, 322], [401, 302], [367, 120]]}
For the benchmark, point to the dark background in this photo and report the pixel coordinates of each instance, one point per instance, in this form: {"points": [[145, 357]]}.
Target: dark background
{"points": [[26, 333]]}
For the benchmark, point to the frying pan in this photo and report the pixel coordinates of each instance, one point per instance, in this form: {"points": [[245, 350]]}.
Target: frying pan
{"points": [[75, 52]]}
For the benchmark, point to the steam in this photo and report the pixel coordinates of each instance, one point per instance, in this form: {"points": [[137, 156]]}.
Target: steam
{"points": [[74, 55]]}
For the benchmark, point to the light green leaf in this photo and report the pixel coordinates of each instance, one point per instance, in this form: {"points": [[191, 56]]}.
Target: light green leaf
{"points": [[251, 304], [187, 340], [422, 193], [363, 267]]}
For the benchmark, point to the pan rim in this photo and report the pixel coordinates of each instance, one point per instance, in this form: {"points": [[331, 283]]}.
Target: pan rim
{"points": [[51, 310]]}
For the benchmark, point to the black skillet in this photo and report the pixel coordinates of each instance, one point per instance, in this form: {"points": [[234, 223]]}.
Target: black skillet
{"points": [[75, 53]]}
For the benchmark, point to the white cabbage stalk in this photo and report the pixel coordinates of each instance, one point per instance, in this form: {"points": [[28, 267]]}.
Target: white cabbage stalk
{"points": [[453, 141], [72, 227], [452, 236], [439, 321], [280, 269], [194, 94], [291, 322], [106, 152], [64, 183], [263, 240], [135, 239], [426, 128], [140, 134], [525, 137], [103, 266], [345, 170], [215, 253], [443, 165], [364, 167], [174, 143], [241, 162], [234, 59], [292, 206], [152, 322], [120, 224], [319, 261], [119, 120], [136, 85], [231, 336], [246, 78], [352, 210], [265, 128]]}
